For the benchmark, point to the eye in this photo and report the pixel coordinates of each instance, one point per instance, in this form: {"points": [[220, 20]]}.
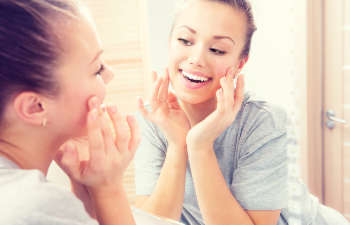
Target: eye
{"points": [[100, 70], [184, 41], [217, 51]]}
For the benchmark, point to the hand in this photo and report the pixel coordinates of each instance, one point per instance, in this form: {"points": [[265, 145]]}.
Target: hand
{"points": [[108, 155], [166, 112], [79, 190], [229, 101]]}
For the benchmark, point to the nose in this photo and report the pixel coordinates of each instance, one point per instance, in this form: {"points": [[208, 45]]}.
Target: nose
{"points": [[108, 75], [197, 58]]}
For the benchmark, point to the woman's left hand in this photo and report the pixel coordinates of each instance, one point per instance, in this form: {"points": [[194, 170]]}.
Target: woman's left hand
{"points": [[110, 150], [79, 190], [229, 102]]}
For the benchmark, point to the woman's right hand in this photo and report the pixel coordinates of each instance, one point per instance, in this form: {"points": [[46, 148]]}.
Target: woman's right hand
{"points": [[165, 111], [109, 154]]}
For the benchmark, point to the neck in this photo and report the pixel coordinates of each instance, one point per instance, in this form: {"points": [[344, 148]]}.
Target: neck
{"points": [[198, 112], [27, 150]]}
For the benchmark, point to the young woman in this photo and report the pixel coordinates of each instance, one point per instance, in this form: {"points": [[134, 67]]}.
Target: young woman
{"points": [[52, 82], [210, 154]]}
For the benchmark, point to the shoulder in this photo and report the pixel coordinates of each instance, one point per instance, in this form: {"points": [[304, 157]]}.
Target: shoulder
{"points": [[261, 125], [261, 114], [38, 200]]}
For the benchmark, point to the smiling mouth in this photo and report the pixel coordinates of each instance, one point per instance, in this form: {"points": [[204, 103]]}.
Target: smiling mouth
{"points": [[194, 78]]}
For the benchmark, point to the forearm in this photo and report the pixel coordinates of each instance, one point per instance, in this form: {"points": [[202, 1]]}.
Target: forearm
{"points": [[112, 206], [217, 204], [167, 197]]}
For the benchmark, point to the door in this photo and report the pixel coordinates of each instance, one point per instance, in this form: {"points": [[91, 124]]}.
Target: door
{"points": [[336, 107]]}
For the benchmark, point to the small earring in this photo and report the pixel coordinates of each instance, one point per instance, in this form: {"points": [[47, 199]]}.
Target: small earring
{"points": [[44, 122]]}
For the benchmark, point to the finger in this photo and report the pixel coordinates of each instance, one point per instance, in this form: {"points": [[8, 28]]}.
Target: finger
{"points": [[58, 156], [230, 77], [141, 107], [82, 145], [69, 160], [172, 97], [108, 136], [154, 76], [227, 89], [135, 133], [239, 92], [220, 100], [163, 91], [95, 137], [172, 101], [121, 128], [155, 92], [94, 103], [230, 73]]}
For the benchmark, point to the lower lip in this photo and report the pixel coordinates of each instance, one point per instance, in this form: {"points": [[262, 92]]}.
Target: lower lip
{"points": [[192, 85]]}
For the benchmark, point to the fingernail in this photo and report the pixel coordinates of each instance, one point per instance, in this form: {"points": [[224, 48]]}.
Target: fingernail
{"points": [[219, 92], [103, 107], [94, 102], [113, 109], [94, 114]]}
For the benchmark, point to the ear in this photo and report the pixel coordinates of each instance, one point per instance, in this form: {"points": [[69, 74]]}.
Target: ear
{"points": [[30, 108]]}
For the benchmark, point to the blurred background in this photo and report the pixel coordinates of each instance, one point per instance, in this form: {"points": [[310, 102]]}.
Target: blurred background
{"points": [[300, 59]]}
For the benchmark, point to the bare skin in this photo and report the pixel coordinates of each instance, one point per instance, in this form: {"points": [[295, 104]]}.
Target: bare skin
{"points": [[210, 52], [38, 124], [98, 179]]}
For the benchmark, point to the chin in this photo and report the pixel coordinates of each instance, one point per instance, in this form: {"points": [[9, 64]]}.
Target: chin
{"points": [[191, 98]]}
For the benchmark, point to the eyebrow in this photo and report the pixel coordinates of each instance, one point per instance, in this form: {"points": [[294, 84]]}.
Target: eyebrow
{"points": [[217, 37], [96, 56], [188, 28], [225, 37]]}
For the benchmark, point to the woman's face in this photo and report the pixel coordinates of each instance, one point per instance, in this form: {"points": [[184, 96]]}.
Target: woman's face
{"points": [[81, 74], [205, 43]]}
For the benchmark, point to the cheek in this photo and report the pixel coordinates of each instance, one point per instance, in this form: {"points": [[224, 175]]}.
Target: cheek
{"points": [[97, 88], [81, 107], [174, 56], [174, 60], [222, 66], [83, 96], [221, 69], [177, 52], [72, 114]]}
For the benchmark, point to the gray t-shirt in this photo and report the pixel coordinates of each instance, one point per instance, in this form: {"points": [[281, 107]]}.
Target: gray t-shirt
{"points": [[252, 155], [27, 198]]}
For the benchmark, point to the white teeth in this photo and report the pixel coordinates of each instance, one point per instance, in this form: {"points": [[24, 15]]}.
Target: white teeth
{"points": [[194, 77]]}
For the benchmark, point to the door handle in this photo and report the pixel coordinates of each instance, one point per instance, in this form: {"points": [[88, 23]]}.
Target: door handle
{"points": [[332, 120]]}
